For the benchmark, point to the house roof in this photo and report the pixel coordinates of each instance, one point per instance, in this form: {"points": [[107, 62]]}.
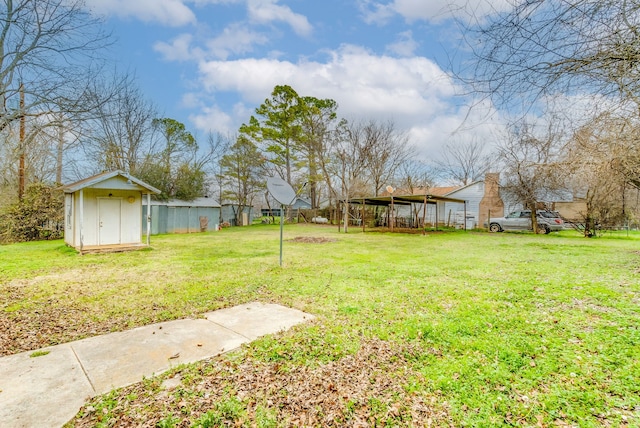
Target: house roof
{"points": [[443, 191], [301, 203], [92, 181], [198, 202], [456, 189]]}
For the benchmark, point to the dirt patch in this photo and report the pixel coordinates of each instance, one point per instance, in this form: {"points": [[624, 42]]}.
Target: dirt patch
{"points": [[312, 240], [58, 277]]}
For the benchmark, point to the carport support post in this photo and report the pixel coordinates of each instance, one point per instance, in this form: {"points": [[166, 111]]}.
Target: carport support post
{"points": [[392, 213], [424, 216], [465, 215]]}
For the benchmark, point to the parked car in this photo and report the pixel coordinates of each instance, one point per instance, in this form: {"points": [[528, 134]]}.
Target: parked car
{"points": [[548, 221]]}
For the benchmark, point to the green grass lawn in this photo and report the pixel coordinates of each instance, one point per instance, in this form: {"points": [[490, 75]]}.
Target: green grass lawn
{"points": [[460, 328]]}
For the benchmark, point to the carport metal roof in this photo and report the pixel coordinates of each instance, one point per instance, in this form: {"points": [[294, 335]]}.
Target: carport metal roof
{"points": [[403, 200]]}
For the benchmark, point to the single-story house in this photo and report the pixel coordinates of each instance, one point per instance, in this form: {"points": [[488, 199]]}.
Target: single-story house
{"points": [[177, 216], [571, 210], [483, 199], [104, 212]]}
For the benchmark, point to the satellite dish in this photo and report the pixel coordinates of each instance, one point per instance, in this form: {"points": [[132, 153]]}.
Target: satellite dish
{"points": [[390, 189], [285, 195], [281, 190]]}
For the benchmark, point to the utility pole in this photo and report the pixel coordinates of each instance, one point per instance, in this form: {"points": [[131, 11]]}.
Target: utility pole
{"points": [[21, 145], [60, 151]]}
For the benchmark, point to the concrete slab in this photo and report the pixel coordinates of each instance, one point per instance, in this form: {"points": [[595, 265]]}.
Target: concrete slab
{"points": [[50, 389], [44, 391], [256, 319], [120, 359]]}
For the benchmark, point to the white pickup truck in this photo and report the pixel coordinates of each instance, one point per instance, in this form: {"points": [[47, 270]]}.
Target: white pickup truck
{"points": [[548, 221]]}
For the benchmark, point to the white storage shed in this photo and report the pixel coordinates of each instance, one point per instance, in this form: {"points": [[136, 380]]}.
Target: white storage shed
{"points": [[103, 212]]}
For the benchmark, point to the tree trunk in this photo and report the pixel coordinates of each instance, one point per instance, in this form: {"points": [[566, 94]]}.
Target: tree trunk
{"points": [[21, 167]]}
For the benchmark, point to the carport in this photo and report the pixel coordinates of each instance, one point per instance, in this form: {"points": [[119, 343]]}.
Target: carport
{"points": [[415, 203]]}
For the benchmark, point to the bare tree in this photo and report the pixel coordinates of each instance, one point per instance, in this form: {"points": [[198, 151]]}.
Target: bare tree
{"points": [[526, 56], [597, 157], [49, 50], [319, 119], [413, 175], [541, 48], [389, 148], [217, 146], [351, 152], [464, 162], [119, 135], [532, 165], [240, 168]]}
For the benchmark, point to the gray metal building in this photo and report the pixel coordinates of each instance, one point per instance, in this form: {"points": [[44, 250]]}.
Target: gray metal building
{"points": [[175, 216]]}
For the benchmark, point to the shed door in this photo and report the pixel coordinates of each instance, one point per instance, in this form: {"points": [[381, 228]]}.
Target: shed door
{"points": [[109, 219]]}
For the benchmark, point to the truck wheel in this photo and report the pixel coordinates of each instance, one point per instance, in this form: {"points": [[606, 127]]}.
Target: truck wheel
{"points": [[495, 227]]}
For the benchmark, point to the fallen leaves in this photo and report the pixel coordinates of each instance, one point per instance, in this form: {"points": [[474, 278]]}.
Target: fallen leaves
{"points": [[367, 388]]}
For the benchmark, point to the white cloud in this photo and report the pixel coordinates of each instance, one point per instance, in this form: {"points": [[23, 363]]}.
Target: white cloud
{"points": [[405, 46], [457, 126], [267, 11], [191, 100], [413, 92], [212, 118], [179, 49], [206, 2], [377, 12], [432, 10], [352, 76], [235, 39], [172, 13]]}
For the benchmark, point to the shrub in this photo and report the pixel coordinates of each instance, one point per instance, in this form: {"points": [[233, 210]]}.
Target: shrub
{"points": [[38, 216]]}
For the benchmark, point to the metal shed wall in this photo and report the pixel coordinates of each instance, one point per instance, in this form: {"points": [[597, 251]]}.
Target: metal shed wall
{"points": [[181, 219]]}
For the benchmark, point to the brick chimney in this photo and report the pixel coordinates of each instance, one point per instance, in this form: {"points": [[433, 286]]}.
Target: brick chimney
{"points": [[491, 201]]}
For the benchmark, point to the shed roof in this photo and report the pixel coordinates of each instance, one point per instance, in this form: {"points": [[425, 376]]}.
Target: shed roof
{"points": [[198, 202], [92, 181]]}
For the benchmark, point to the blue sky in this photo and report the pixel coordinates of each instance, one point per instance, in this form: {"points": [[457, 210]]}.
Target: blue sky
{"points": [[210, 63]]}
